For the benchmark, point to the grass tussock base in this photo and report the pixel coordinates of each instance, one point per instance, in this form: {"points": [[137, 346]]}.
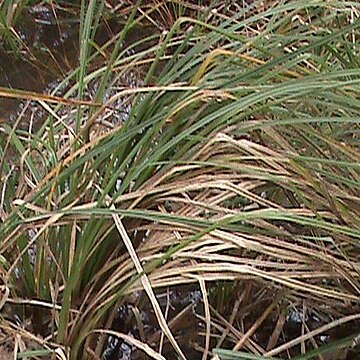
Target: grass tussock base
{"points": [[216, 195]]}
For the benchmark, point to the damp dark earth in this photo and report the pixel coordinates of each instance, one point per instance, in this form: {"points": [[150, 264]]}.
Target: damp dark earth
{"points": [[179, 180]]}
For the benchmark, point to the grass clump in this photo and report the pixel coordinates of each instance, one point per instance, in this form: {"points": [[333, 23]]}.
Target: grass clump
{"points": [[219, 152]]}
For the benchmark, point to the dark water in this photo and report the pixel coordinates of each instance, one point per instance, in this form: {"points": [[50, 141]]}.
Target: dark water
{"points": [[48, 52]]}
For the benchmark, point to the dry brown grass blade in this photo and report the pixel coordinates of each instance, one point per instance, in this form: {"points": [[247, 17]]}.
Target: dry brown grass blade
{"points": [[147, 286], [231, 319], [28, 95], [130, 340], [312, 333], [276, 332], [207, 316], [28, 336], [257, 323], [53, 219], [235, 333]]}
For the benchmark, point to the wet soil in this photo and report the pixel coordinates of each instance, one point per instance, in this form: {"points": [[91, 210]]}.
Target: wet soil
{"points": [[184, 309]]}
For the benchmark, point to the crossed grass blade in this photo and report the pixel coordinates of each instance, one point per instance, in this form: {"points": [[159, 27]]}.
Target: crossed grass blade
{"points": [[186, 169]]}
